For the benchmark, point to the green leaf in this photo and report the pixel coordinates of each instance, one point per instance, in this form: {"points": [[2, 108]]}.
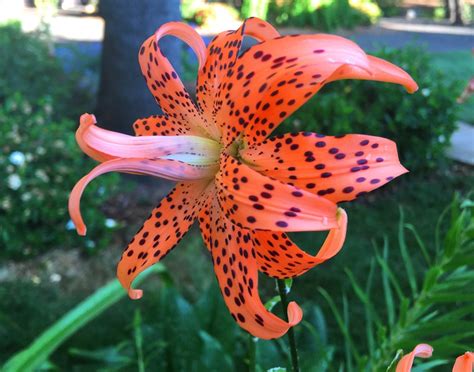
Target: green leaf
{"points": [[277, 369], [43, 346], [137, 324], [340, 322], [270, 304], [288, 284], [405, 255]]}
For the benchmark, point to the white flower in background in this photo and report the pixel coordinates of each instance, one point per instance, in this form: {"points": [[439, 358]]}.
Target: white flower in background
{"points": [[48, 109], [41, 174], [17, 158], [41, 150], [14, 181], [6, 204], [59, 144], [426, 92], [110, 223], [70, 225], [10, 169], [90, 244], [27, 108], [29, 157], [26, 196], [40, 120], [101, 190], [55, 278]]}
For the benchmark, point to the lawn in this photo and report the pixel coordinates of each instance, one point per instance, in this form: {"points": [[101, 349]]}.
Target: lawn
{"points": [[460, 66]]}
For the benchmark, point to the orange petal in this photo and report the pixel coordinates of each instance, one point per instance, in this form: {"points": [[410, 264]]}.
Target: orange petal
{"points": [[235, 266], [274, 78], [118, 145], [421, 350], [255, 201], [164, 168], [162, 79], [279, 257], [222, 53], [464, 362], [161, 232], [86, 121], [378, 70], [161, 125], [338, 168]]}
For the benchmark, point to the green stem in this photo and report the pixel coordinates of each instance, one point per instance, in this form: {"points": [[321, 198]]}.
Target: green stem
{"points": [[291, 334], [252, 353]]}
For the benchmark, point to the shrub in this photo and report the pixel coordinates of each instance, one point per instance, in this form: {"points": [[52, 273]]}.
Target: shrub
{"points": [[39, 164], [324, 14], [208, 15], [421, 124], [29, 66]]}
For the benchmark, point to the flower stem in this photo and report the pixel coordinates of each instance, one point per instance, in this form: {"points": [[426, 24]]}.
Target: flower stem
{"points": [[252, 346], [291, 334]]}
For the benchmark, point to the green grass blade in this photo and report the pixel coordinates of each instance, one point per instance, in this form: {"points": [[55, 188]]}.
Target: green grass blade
{"points": [[386, 288], [422, 245], [138, 336], [406, 256], [340, 322], [43, 346]]}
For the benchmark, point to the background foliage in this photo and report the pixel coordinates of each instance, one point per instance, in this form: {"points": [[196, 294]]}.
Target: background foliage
{"points": [[39, 159]]}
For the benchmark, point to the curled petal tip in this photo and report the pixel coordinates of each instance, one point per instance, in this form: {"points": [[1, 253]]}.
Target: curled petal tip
{"points": [[81, 230], [411, 86], [135, 294], [87, 119], [295, 314]]}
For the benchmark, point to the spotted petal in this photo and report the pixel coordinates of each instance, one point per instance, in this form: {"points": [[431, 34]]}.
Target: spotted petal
{"points": [[222, 53], [162, 231], [274, 78], [161, 125], [254, 201], [279, 257], [337, 168], [421, 350], [163, 81], [235, 265], [164, 168]]}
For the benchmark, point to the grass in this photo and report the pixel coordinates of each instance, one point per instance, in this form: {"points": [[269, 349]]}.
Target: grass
{"points": [[460, 66]]}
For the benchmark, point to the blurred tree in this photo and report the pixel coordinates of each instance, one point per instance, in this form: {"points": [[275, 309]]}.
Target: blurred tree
{"points": [[255, 8], [123, 95], [454, 11]]}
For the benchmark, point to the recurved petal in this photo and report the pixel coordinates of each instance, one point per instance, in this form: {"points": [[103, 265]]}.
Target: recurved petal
{"points": [[162, 231], [337, 168], [222, 53], [104, 144], [279, 257], [464, 362], [164, 168], [252, 200], [274, 78], [421, 350], [163, 81], [235, 265]]}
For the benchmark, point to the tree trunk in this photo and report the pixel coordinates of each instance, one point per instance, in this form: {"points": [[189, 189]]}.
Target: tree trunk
{"points": [[123, 94], [455, 12]]}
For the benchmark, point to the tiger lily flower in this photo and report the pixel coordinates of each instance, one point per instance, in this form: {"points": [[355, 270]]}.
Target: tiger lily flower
{"points": [[246, 190], [463, 363]]}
